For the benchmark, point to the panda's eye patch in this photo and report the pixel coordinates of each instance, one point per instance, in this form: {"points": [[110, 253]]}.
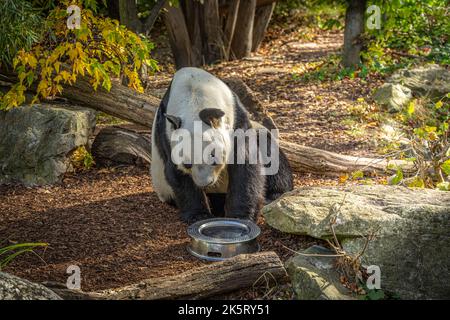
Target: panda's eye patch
{"points": [[187, 165]]}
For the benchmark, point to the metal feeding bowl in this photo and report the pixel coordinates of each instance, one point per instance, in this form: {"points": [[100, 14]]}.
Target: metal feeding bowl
{"points": [[222, 238]]}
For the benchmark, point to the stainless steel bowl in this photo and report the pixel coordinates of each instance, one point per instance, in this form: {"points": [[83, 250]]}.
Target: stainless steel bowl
{"points": [[222, 238]]}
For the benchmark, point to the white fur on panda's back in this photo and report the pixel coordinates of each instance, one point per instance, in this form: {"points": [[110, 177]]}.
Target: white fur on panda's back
{"points": [[193, 90]]}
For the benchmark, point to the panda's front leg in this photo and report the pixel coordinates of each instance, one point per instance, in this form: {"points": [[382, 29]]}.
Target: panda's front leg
{"points": [[188, 197], [245, 191]]}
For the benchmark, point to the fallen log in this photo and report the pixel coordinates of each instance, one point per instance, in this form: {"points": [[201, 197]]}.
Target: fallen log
{"points": [[116, 145], [120, 101], [127, 104], [243, 271], [308, 159]]}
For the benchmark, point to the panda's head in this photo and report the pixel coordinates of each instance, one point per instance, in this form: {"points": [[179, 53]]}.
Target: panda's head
{"points": [[203, 149]]}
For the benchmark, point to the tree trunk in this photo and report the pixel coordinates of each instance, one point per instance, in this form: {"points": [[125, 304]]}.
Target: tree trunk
{"points": [[179, 38], [210, 28], [230, 24], [262, 19], [243, 271], [213, 32], [113, 9], [129, 15], [260, 3], [151, 19], [241, 45], [354, 27], [193, 15]]}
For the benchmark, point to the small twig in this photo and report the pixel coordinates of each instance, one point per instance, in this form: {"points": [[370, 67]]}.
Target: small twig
{"points": [[206, 200], [312, 254]]}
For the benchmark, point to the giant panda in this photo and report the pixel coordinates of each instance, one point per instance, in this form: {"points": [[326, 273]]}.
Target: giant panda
{"points": [[218, 187]]}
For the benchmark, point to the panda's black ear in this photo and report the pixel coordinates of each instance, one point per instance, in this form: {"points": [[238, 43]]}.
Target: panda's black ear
{"points": [[211, 116], [174, 120]]}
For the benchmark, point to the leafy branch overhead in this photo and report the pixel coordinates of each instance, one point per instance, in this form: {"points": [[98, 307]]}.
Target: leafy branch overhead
{"points": [[101, 49]]}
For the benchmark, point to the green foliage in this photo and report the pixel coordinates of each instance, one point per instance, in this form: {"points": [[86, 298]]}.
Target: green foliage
{"points": [[283, 8], [107, 119], [426, 124], [419, 27], [100, 50], [330, 69], [374, 294], [9, 253], [82, 159], [397, 177], [20, 28]]}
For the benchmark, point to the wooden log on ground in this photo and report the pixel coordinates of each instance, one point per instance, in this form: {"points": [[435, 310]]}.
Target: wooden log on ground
{"points": [[119, 145], [116, 145], [312, 160], [243, 271]]}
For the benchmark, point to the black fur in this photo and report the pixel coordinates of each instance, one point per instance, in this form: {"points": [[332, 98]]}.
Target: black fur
{"points": [[245, 192], [247, 188]]}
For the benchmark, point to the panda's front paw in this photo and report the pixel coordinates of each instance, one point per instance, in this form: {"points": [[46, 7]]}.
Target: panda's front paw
{"points": [[193, 216]]}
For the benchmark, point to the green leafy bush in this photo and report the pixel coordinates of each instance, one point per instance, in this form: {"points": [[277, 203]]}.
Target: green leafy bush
{"points": [[419, 27], [20, 28], [426, 124]]}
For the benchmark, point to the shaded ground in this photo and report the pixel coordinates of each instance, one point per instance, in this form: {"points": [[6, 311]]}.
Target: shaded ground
{"points": [[110, 222]]}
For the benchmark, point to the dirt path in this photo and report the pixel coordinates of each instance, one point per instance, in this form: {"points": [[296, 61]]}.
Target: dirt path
{"points": [[110, 222]]}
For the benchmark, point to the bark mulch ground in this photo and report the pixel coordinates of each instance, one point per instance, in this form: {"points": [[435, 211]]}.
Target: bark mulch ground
{"points": [[111, 224]]}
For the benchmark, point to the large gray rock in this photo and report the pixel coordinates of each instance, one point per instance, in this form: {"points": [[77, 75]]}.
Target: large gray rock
{"points": [[35, 141], [393, 96], [313, 276], [432, 80], [412, 246], [15, 288]]}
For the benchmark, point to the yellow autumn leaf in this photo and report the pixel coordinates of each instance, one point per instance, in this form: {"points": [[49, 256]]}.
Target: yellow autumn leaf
{"points": [[57, 64], [343, 178], [32, 61]]}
